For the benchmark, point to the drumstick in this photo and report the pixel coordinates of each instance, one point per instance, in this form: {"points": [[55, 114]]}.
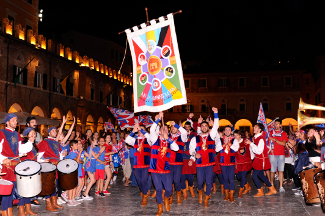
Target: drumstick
{"points": [[18, 157], [35, 156], [3, 174]]}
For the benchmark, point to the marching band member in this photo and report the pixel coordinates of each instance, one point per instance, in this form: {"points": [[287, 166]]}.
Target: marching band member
{"points": [[141, 159], [243, 164], [159, 163], [228, 146], [202, 149], [52, 151], [11, 147], [179, 136], [188, 171], [261, 161]]}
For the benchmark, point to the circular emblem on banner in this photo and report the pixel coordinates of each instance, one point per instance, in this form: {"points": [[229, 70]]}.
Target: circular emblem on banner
{"points": [[154, 65], [169, 71], [143, 79], [142, 59], [156, 84], [166, 51]]}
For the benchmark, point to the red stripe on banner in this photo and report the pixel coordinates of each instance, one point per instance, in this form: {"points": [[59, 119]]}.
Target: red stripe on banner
{"points": [[158, 96], [168, 42], [144, 95], [137, 51]]}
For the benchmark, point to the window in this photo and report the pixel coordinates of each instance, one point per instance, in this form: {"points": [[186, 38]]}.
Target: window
{"points": [[56, 85], [265, 81], [265, 104], [19, 75], [222, 82], [203, 107], [188, 107], [241, 81], [242, 105], [69, 87], [45, 81], [288, 104], [202, 83], [307, 96], [92, 94], [38, 80], [288, 81], [101, 96], [223, 110], [187, 83]]}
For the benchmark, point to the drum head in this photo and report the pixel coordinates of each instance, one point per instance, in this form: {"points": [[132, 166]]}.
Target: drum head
{"points": [[27, 168], [5, 182], [67, 166], [47, 167]]}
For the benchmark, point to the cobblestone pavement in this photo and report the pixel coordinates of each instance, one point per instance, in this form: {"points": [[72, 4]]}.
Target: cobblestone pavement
{"points": [[127, 201]]}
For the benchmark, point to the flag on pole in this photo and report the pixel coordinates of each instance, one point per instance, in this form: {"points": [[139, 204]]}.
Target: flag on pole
{"points": [[64, 85], [261, 119], [109, 126], [158, 82], [125, 118], [145, 120]]}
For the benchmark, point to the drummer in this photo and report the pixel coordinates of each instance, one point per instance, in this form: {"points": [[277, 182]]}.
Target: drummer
{"points": [[30, 135], [52, 151], [10, 148]]}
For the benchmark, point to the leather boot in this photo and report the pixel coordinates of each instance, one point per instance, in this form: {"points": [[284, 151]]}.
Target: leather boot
{"points": [[171, 199], [231, 197], [260, 193], [192, 191], [21, 211], [148, 192], [153, 194], [4, 213], [49, 206], [28, 210], [222, 188], [186, 183], [271, 191], [54, 201], [240, 193], [184, 194], [160, 209], [141, 194], [10, 212], [200, 196], [226, 195], [166, 202], [179, 197], [247, 188], [214, 188], [144, 200], [163, 194], [206, 200]]}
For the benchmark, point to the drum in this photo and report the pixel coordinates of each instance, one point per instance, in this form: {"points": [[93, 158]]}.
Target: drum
{"points": [[309, 187], [319, 180], [68, 174], [48, 174], [5, 187], [28, 178]]}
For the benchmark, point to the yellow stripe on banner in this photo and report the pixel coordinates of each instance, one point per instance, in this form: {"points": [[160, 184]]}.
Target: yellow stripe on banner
{"points": [[172, 60], [151, 35], [139, 70], [172, 89]]}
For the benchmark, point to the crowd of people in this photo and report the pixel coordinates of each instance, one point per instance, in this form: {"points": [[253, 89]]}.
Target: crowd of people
{"points": [[168, 157]]}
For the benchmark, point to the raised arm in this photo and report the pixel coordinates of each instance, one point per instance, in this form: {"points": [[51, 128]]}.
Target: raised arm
{"points": [[70, 131], [214, 131], [64, 120]]}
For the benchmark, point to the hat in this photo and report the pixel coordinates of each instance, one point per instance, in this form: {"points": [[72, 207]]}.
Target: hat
{"points": [[27, 130], [10, 116], [51, 128]]}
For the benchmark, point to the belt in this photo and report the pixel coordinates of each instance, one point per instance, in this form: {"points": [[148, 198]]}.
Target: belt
{"points": [[55, 163]]}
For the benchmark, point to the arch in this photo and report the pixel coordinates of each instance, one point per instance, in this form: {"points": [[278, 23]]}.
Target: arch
{"points": [[287, 121], [15, 108], [100, 124], [90, 123], [56, 114], [20, 57], [38, 111], [244, 124], [224, 122]]}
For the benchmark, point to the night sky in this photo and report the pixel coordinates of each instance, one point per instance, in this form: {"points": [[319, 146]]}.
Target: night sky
{"points": [[216, 34]]}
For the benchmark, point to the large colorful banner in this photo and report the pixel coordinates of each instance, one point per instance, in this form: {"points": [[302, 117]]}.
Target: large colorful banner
{"points": [[158, 82]]}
